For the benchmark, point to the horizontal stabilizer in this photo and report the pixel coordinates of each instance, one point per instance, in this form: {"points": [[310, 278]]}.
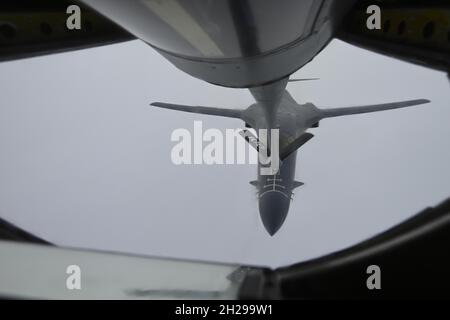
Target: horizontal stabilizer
{"points": [[297, 143], [305, 79], [230, 113], [297, 184], [337, 112]]}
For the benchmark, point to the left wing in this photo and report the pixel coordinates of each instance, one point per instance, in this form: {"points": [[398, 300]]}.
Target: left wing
{"points": [[230, 113]]}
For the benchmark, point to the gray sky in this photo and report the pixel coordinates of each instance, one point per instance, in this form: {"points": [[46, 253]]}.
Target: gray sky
{"points": [[85, 162]]}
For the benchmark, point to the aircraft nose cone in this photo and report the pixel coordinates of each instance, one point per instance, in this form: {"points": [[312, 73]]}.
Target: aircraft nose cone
{"points": [[273, 209]]}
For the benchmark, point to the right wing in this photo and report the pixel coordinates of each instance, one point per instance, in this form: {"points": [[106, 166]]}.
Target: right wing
{"points": [[337, 112], [230, 113]]}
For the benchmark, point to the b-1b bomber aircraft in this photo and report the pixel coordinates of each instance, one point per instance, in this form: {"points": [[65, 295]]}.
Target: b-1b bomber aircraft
{"points": [[275, 108]]}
